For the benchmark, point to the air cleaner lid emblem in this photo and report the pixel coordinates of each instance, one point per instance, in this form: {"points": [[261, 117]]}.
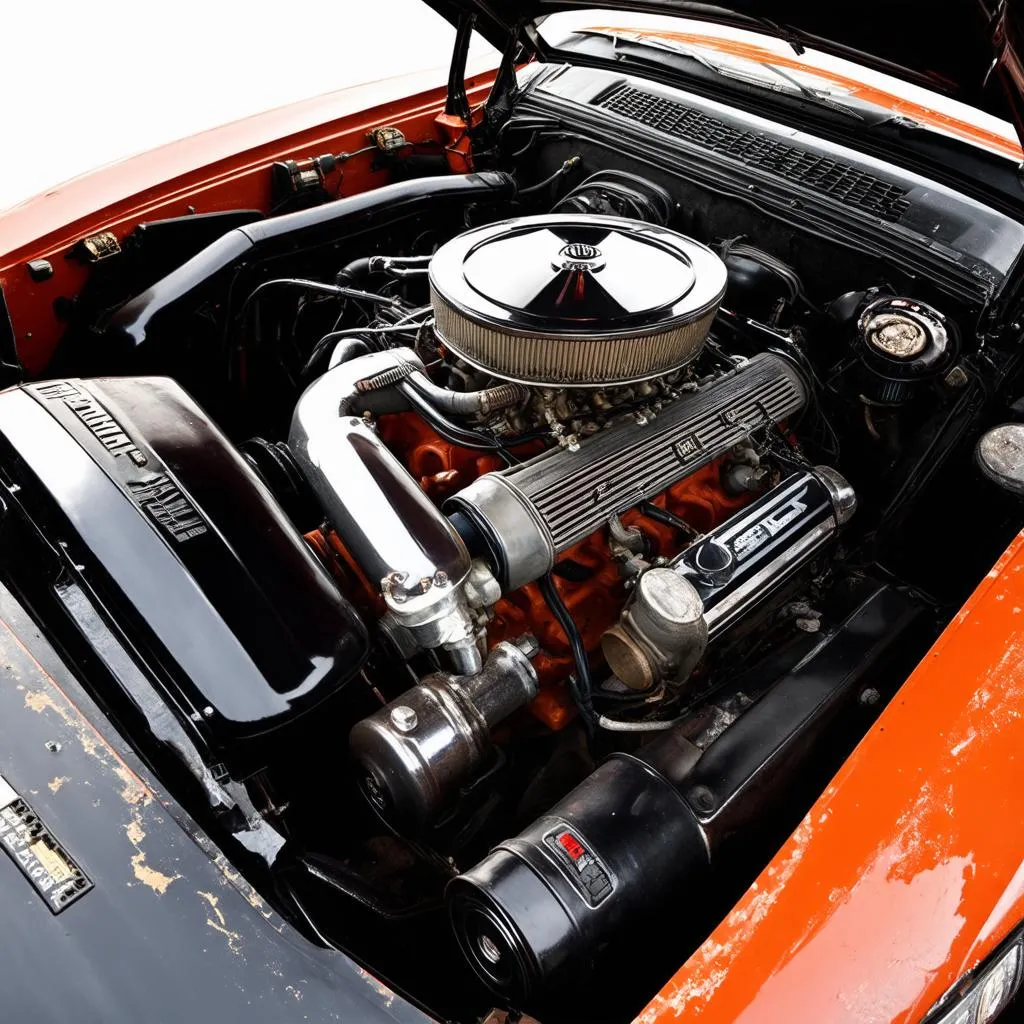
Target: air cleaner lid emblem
{"points": [[579, 256]]}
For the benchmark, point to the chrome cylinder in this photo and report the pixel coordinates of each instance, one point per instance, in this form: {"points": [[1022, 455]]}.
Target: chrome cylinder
{"points": [[417, 751], [525, 516]]}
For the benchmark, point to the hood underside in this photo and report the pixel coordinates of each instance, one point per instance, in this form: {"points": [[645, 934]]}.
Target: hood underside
{"points": [[954, 53]]}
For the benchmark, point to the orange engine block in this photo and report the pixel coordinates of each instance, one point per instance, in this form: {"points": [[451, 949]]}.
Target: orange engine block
{"points": [[597, 598]]}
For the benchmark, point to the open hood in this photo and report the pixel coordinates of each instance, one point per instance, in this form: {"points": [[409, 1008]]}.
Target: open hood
{"points": [[965, 49]]}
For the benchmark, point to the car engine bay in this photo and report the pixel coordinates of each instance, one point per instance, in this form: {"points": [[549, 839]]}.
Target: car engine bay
{"points": [[501, 562]]}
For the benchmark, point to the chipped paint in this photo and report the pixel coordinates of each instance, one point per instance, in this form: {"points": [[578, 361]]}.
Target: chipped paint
{"points": [[150, 877], [377, 985], [57, 783], [134, 832], [960, 747], [134, 791], [219, 923]]}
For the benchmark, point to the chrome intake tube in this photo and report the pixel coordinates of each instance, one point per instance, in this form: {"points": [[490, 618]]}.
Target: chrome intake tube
{"points": [[399, 540]]}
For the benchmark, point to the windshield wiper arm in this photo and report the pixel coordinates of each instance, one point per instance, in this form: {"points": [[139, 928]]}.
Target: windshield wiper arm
{"points": [[681, 50], [814, 95]]}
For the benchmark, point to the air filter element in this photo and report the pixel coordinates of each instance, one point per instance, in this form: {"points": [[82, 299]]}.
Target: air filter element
{"points": [[575, 300]]}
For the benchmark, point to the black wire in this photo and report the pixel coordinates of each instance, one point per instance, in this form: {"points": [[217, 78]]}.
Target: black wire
{"points": [[316, 286], [366, 333], [582, 688], [564, 169], [520, 152], [663, 516]]}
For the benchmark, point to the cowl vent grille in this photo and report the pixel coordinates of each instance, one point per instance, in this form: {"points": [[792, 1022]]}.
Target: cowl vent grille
{"points": [[847, 184]]}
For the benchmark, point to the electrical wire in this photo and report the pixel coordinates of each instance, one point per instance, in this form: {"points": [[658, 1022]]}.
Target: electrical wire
{"points": [[581, 686], [564, 169], [316, 286], [350, 332]]}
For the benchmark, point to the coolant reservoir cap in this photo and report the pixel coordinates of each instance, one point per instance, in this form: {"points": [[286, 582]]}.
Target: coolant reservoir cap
{"points": [[1000, 456]]}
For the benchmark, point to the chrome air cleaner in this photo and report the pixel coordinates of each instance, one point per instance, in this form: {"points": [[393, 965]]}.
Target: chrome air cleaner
{"points": [[575, 300]]}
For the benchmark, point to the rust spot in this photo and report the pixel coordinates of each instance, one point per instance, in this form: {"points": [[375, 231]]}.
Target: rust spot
{"points": [[57, 783]]}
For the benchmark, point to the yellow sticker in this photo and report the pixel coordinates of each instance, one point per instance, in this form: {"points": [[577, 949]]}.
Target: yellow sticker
{"points": [[56, 866]]}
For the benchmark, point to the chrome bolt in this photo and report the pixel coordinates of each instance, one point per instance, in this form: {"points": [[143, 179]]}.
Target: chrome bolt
{"points": [[403, 718], [527, 643]]}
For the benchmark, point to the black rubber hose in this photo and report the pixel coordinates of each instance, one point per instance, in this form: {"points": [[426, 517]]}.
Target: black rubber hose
{"points": [[349, 348], [354, 273], [582, 689], [450, 431]]}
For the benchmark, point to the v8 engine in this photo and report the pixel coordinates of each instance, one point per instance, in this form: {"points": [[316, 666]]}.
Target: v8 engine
{"points": [[538, 567]]}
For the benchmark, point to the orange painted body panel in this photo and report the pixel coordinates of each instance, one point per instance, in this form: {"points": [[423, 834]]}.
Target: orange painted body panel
{"points": [[226, 168], [910, 867], [860, 90]]}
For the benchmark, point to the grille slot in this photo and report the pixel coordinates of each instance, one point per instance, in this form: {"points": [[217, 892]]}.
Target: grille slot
{"points": [[823, 174]]}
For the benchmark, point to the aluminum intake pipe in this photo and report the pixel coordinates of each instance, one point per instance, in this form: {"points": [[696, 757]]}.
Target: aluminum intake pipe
{"points": [[399, 540]]}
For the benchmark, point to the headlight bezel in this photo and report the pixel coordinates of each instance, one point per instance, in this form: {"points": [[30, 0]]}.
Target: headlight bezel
{"points": [[961, 1002]]}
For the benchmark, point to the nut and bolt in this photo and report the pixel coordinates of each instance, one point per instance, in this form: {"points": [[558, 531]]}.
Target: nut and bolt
{"points": [[702, 798], [870, 696]]}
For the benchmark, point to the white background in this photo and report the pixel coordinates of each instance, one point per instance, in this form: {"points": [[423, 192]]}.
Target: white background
{"points": [[87, 82]]}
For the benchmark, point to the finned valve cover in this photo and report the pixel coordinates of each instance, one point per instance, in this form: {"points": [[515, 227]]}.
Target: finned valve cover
{"points": [[575, 300]]}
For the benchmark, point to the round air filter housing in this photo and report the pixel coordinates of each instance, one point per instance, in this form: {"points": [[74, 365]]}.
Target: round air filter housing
{"points": [[575, 300]]}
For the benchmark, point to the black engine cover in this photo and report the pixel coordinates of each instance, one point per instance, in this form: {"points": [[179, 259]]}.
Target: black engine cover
{"points": [[183, 549]]}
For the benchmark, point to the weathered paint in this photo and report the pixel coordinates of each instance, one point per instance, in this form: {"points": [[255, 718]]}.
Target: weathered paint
{"points": [[909, 869], [170, 931]]}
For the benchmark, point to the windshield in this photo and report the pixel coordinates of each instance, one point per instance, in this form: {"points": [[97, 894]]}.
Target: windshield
{"points": [[87, 84], [768, 62]]}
